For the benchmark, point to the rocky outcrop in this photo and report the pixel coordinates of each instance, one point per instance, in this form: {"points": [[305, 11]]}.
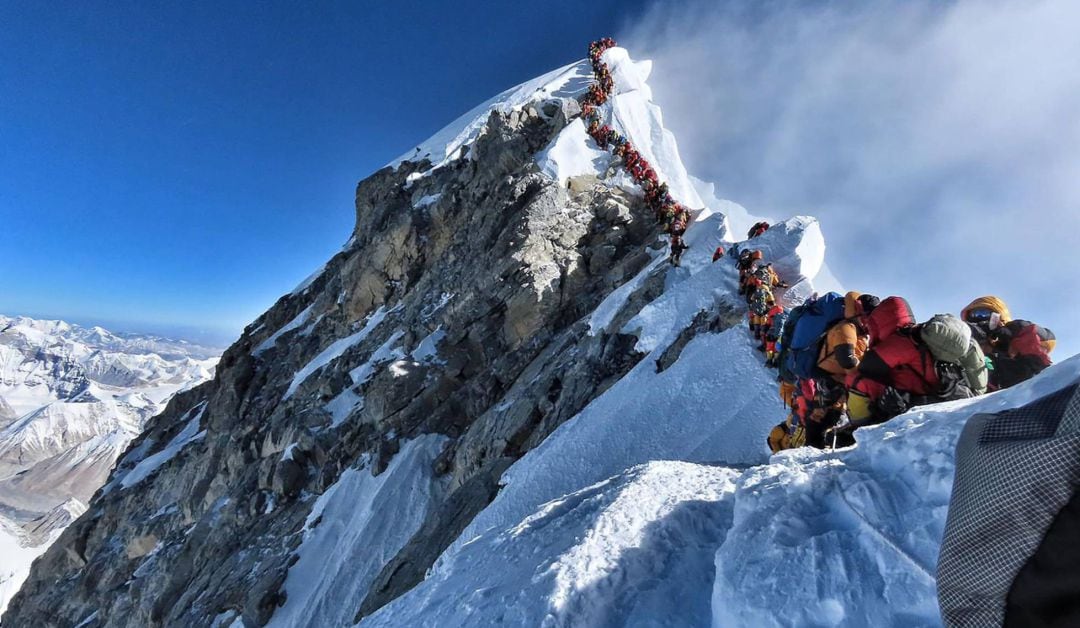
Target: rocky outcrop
{"points": [[456, 308]]}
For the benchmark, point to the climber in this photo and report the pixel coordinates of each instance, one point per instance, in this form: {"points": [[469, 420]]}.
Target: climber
{"points": [[677, 249], [758, 229], [787, 393], [819, 406], [765, 275], [806, 327], [788, 434], [983, 314], [846, 341], [759, 274], [718, 253], [1017, 349], [892, 360], [938, 360], [1020, 350], [746, 265], [774, 327], [654, 195], [761, 303]]}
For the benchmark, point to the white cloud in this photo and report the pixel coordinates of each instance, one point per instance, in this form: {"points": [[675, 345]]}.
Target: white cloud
{"points": [[938, 142]]}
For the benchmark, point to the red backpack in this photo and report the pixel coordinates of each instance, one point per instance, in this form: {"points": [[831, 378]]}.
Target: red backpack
{"points": [[1029, 342], [889, 316]]}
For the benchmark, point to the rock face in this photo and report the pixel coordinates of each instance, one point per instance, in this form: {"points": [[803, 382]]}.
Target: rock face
{"points": [[457, 308]]}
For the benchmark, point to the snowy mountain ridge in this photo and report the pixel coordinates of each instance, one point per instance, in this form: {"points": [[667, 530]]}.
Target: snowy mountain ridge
{"points": [[71, 399], [499, 404]]}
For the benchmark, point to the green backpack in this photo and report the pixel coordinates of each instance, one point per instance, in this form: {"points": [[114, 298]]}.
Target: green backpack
{"points": [[949, 340]]}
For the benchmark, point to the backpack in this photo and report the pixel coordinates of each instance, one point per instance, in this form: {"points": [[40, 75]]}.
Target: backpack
{"points": [[761, 301], [953, 382], [947, 338], [949, 341], [784, 344], [816, 319], [890, 315], [764, 275], [776, 331]]}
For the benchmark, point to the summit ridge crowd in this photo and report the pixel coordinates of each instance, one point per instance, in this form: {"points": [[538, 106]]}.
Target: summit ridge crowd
{"points": [[843, 361], [852, 360]]}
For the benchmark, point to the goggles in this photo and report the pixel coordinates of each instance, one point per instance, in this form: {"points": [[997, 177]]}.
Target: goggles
{"points": [[979, 315]]}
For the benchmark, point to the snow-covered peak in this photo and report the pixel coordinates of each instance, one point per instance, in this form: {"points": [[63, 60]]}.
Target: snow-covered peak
{"points": [[77, 340], [632, 113], [566, 82]]}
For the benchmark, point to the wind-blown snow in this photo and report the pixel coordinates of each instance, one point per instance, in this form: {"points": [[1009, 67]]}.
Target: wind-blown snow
{"points": [[363, 521]]}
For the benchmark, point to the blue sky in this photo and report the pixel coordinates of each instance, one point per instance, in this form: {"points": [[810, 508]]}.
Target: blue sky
{"points": [[179, 166]]}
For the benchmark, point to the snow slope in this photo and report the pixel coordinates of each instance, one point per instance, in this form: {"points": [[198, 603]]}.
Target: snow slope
{"points": [[713, 405], [623, 552], [566, 82], [17, 554], [845, 538], [355, 528]]}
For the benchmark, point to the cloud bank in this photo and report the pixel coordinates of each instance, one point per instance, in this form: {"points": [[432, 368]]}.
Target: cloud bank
{"points": [[939, 143]]}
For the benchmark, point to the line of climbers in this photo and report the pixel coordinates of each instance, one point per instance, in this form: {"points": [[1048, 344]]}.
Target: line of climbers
{"points": [[848, 361], [673, 216]]}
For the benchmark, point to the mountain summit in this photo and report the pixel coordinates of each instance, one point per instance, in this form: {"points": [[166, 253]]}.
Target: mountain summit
{"points": [[498, 403]]}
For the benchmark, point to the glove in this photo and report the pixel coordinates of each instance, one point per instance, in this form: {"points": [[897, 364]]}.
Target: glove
{"points": [[892, 403]]}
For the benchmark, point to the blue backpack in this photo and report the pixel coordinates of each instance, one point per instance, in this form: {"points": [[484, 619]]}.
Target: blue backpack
{"points": [[815, 320], [783, 345]]}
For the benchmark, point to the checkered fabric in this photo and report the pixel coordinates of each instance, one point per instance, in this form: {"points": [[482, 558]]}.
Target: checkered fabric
{"points": [[1015, 470]]}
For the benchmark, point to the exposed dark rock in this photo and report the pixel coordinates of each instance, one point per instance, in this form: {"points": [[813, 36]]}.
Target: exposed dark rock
{"points": [[505, 263]]}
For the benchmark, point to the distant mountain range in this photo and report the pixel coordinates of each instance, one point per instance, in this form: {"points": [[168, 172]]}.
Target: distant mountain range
{"points": [[71, 399]]}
